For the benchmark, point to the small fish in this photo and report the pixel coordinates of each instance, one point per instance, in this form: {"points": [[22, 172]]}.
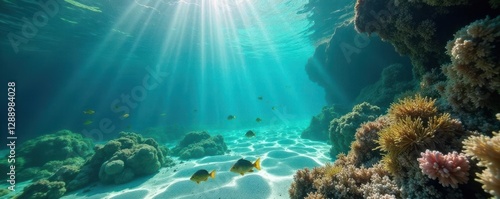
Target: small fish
{"points": [[274, 108], [250, 134], [126, 115], [243, 166], [116, 107], [89, 112], [230, 117], [258, 120], [195, 110], [88, 122], [163, 114], [260, 98], [202, 175]]}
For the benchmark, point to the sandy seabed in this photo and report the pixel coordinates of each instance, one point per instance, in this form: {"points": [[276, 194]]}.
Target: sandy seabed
{"points": [[281, 150]]}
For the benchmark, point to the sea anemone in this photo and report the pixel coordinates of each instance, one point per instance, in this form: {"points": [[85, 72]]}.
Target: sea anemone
{"points": [[422, 107], [451, 169]]}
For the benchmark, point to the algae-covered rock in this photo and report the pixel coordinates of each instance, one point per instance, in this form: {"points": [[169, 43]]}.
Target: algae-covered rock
{"points": [[200, 144], [41, 157], [57, 146], [318, 128], [43, 189], [343, 129], [121, 160]]}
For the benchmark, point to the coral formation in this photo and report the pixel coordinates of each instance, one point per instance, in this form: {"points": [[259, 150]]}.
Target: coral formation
{"points": [[342, 129], [349, 182], [61, 145], [43, 189], [42, 156], [336, 65], [198, 145], [473, 78], [419, 29], [450, 169], [487, 151], [365, 137], [121, 160], [318, 127], [395, 79], [416, 126]]}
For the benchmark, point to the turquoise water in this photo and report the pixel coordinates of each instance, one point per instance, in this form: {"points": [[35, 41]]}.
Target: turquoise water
{"points": [[252, 99], [98, 68], [214, 58]]}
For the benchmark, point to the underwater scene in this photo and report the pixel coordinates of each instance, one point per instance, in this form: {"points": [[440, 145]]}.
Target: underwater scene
{"points": [[250, 99]]}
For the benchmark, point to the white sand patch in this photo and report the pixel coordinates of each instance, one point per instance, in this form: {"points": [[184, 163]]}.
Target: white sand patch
{"points": [[281, 150]]}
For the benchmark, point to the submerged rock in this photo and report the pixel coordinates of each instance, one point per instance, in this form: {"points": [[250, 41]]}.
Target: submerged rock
{"points": [[200, 144]]}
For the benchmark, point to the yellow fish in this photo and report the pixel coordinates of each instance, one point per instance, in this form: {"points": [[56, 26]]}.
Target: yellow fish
{"points": [[88, 122], [243, 166], [89, 112], [230, 117], [125, 115], [202, 175]]}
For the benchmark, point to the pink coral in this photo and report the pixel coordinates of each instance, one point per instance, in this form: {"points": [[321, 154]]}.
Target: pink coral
{"points": [[450, 169]]}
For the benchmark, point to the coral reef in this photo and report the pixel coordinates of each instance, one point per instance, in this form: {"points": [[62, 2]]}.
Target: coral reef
{"points": [[43, 189], [319, 125], [342, 129], [450, 169], [346, 181], [61, 145], [473, 78], [416, 126], [198, 145], [395, 79], [419, 29], [365, 137], [42, 156], [120, 161], [338, 64], [487, 151]]}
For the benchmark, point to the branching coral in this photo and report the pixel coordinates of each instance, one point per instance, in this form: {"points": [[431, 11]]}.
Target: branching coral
{"points": [[487, 151], [474, 72], [451, 169], [349, 182], [342, 129]]}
